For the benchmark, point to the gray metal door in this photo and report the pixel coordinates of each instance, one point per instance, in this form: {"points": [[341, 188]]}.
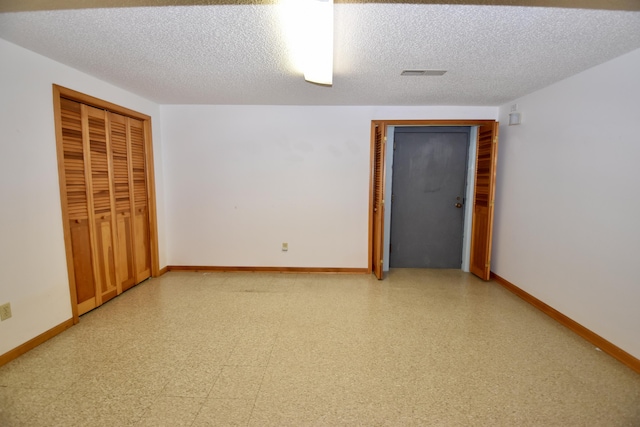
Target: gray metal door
{"points": [[427, 202]]}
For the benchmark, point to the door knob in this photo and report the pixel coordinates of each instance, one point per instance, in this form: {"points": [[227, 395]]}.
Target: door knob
{"points": [[458, 205]]}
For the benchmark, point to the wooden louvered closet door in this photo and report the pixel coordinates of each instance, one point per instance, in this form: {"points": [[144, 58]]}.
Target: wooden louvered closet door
{"points": [[76, 187], [101, 200], [141, 200], [483, 200], [123, 192], [379, 142], [105, 187]]}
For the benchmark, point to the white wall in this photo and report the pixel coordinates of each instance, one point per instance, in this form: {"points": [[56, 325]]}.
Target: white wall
{"points": [[241, 180], [568, 199], [33, 275]]}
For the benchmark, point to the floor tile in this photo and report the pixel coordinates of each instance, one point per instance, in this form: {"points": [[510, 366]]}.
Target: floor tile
{"points": [[18, 405], [171, 412], [74, 408], [238, 382], [193, 379], [224, 412]]}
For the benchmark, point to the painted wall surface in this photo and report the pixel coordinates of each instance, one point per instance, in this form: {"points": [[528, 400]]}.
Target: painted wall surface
{"points": [[567, 205], [241, 180], [33, 275]]}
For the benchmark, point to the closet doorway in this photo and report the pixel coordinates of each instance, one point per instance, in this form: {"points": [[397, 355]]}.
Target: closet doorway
{"points": [[483, 191], [105, 167]]}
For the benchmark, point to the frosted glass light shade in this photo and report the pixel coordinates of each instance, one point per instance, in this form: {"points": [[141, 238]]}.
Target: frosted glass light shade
{"points": [[318, 66]]}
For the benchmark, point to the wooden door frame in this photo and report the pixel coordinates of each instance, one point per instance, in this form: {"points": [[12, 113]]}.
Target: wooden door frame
{"points": [[385, 124], [63, 92]]}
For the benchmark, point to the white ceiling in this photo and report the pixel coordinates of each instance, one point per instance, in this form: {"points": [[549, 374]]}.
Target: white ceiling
{"points": [[237, 54]]}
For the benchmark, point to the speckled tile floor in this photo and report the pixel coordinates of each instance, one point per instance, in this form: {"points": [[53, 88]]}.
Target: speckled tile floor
{"points": [[422, 348]]}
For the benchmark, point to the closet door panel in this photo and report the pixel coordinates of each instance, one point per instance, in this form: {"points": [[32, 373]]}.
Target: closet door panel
{"points": [[77, 203], [107, 268], [101, 194], [140, 197], [143, 260], [125, 260], [122, 188], [82, 268]]}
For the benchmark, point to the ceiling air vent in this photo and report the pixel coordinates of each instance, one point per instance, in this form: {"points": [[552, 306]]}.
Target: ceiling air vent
{"points": [[422, 72]]}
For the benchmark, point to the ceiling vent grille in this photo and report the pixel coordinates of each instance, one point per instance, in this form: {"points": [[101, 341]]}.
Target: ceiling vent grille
{"points": [[422, 72]]}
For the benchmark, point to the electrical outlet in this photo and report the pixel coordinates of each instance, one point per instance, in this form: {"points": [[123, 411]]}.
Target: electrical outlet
{"points": [[5, 311], [285, 247]]}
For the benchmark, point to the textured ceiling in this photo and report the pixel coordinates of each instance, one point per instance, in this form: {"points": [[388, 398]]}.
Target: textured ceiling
{"points": [[237, 54]]}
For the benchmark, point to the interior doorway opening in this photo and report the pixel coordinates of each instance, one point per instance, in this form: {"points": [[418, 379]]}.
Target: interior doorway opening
{"points": [[483, 191]]}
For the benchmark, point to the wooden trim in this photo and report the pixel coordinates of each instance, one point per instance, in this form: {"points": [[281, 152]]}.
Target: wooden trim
{"points": [[34, 342], [457, 122], [132, 202], [372, 166], [98, 103], [268, 269], [162, 271], [57, 114], [115, 242], [151, 199], [595, 339], [87, 306]]}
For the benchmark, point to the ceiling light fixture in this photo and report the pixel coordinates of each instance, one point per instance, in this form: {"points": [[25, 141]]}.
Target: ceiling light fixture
{"points": [[318, 66], [307, 29]]}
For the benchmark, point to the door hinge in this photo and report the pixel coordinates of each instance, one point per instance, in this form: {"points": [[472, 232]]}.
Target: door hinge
{"points": [[385, 139], [381, 262], [495, 140], [491, 203], [383, 202], [394, 145], [390, 248], [392, 197]]}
